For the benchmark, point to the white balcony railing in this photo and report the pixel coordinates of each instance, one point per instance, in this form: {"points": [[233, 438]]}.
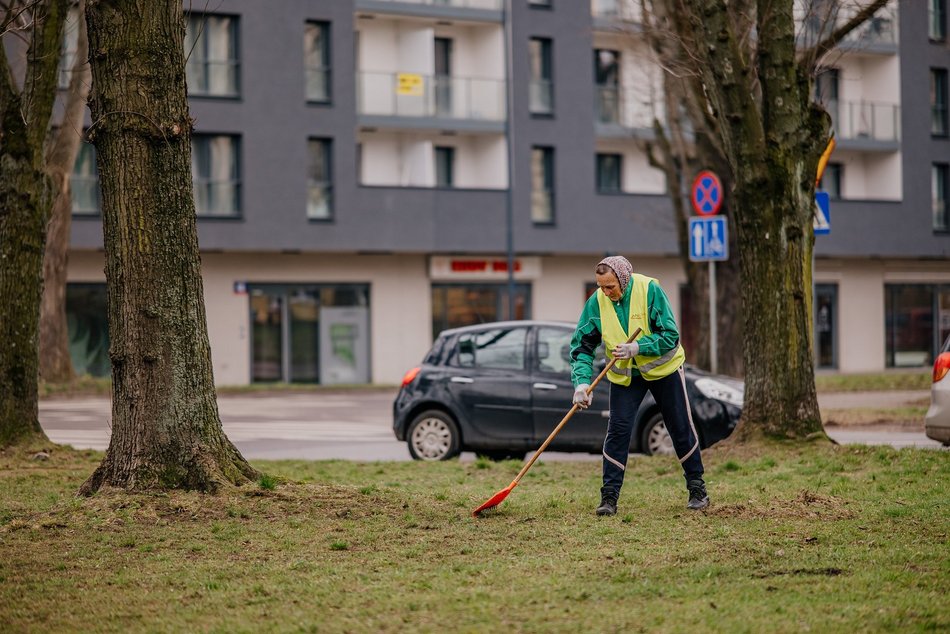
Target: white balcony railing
{"points": [[628, 108], [437, 96], [626, 10], [494, 5], [881, 29], [865, 120]]}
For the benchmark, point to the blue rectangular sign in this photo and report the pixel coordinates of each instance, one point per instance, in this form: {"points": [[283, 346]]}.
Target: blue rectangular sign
{"points": [[822, 221], [708, 238]]}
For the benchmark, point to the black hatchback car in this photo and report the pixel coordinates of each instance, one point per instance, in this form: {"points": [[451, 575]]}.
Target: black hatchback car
{"points": [[498, 389]]}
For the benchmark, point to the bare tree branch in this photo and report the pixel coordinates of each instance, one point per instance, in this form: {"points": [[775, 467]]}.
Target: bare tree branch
{"points": [[811, 55]]}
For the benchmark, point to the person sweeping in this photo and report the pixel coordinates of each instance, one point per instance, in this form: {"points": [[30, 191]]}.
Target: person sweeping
{"points": [[624, 301]]}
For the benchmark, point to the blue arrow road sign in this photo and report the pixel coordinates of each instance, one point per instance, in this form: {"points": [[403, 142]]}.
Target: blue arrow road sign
{"points": [[822, 222], [708, 238]]}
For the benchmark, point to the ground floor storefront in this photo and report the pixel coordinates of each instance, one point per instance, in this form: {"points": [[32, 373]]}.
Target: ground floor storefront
{"points": [[354, 319]]}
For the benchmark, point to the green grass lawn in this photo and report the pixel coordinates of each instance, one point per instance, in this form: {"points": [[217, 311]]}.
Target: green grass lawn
{"points": [[817, 538]]}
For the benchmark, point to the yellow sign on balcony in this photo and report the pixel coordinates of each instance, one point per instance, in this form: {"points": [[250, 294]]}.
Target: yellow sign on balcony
{"points": [[410, 84]]}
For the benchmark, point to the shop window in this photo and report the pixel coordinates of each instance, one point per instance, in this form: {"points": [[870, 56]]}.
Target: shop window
{"points": [[910, 327], [455, 305], [87, 318], [310, 333]]}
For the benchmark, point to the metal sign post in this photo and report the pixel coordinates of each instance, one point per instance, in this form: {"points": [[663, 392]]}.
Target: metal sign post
{"points": [[709, 242]]}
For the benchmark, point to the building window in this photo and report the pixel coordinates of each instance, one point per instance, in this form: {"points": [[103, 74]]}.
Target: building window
{"points": [[607, 85], [831, 180], [316, 50], [309, 333], [320, 180], [938, 101], [826, 325], [455, 305], [609, 173], [211, 51], [937, 19], [542, 185], [84, 182], [916, 319], [444, 166], [940, 182], [87, 318], [540, 92], [216, 175], [67, 58]]}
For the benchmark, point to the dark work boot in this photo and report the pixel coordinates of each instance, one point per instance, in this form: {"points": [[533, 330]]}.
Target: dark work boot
{"points": [[698, 499], [608, 503]]}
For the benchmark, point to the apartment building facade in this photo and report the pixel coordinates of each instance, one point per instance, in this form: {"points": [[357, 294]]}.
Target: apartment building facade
{"points": [[353, 180]]}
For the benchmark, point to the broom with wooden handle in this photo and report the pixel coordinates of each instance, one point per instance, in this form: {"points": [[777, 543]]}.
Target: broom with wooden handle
{"points": [[497, 499]]}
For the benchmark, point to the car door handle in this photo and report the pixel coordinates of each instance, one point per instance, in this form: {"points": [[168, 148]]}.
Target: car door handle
{"points": [[544, 386], [462, 379]]}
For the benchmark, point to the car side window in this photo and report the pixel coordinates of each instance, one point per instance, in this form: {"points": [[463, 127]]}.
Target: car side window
{"points": [[554, 350], [501, 348]]}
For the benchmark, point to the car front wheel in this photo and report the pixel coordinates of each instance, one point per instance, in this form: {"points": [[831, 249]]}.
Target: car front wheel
{"points": [[655, 440], [433, 435]]}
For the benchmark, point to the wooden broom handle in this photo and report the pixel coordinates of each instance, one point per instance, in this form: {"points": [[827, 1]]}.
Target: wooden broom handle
{"points": [[570, 413]]}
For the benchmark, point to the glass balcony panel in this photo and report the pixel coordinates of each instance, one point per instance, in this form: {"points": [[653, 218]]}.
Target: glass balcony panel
{"points": [[441, 96], [865, 120]]}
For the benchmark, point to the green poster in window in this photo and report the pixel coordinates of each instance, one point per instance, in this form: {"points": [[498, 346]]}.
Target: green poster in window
{"points": [[344, 345]]}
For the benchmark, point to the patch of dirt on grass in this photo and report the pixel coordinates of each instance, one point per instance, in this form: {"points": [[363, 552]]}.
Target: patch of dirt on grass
{"points": [[806, 505], [114, 508]]}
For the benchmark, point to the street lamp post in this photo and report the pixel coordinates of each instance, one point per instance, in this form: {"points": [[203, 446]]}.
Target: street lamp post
{"points": [[510, 144]]}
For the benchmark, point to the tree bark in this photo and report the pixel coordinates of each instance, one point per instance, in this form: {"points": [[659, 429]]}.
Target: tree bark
{"points": [[25, 199], [771, 135], [55, 362], [166, 431]]}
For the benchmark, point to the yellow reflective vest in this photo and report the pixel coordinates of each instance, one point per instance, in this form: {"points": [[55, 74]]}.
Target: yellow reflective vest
{"points": [[651, 368]]}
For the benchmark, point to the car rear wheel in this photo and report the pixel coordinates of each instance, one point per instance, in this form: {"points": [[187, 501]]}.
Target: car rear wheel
{"points": [[655, 440], [433, 435]]}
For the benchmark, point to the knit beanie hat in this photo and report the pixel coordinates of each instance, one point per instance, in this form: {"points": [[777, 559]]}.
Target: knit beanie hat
{"points": [[621, 267]]}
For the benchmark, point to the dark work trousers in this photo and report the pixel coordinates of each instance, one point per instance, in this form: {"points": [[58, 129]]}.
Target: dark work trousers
{"points": [[670, 395]]}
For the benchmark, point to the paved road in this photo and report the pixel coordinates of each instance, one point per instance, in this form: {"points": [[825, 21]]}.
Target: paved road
{"points": [[357, 425]]}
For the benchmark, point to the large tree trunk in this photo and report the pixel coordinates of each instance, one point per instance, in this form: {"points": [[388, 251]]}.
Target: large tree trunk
{"points": [[55, 363], [770, 135], [25, 198], [166, 431]]}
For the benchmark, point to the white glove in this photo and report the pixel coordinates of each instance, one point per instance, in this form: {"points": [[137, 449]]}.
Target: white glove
{"points": [[581, 398], [626, 350]]}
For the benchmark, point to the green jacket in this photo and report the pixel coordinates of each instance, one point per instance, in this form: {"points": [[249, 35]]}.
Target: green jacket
{"points": [[587, 338]]}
